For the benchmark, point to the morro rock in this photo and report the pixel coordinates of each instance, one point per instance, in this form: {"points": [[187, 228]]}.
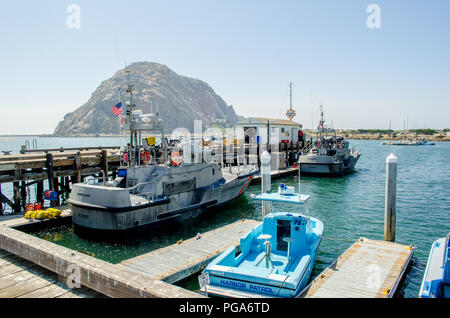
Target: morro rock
{"points": [[179, 99]]}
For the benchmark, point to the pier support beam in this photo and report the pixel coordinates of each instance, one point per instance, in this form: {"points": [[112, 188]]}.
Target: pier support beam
{"points": [[49, 166], [391, 195], [40, 192], [17, 198], [78, 166], [105, 165]]}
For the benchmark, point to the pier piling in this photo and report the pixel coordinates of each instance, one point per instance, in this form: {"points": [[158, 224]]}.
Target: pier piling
{"points": [[265, 180], [391, 194]]}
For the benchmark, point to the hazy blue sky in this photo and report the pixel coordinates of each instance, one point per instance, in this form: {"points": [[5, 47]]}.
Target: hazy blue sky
{"points": [[247, 50]]}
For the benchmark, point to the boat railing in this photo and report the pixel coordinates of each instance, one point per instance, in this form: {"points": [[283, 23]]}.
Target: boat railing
{"points": [[307, 148], [133, 188]]}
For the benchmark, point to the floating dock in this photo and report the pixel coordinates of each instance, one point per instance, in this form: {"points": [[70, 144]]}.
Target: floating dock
{"points": [[368, 269], [178, 261], [43, 261], [277, 174], [17, 219], [23, 279]]}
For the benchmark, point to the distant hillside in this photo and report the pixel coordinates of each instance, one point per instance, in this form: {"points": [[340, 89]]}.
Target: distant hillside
{"points": [[180, 100]]}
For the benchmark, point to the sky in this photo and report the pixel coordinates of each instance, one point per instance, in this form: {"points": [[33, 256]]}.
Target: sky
{"points": [[246, 50]]}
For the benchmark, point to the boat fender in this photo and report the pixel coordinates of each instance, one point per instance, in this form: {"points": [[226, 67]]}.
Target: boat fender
{"points": [[175, 158]]}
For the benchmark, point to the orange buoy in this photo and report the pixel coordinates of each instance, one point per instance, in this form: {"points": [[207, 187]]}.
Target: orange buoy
{"points": [[175, 158]]}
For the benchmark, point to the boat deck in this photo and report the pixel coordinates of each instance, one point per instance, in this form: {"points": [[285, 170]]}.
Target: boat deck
{"points": [[368, 269], [20, 278], [178, 261]]}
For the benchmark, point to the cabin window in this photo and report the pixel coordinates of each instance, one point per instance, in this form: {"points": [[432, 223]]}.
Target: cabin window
{"points": [[282, 130], [283, 230], [179, 187]]}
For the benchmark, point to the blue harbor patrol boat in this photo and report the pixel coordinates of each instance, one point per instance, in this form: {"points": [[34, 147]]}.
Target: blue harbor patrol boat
{"points": [[436, 280], [275, 259]]}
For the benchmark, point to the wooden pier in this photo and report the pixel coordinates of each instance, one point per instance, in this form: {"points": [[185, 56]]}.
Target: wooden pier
{"points": [[60, 168], [42, 260], [368, 269], [23, 279], [178, 261]]}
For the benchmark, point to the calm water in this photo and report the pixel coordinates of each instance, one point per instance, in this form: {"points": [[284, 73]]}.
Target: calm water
{"points": [[350, 207]]}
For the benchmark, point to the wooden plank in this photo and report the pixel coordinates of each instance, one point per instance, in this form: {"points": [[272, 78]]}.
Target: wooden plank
{"points": [[50, 291], [23, 287], [96, 274], [66, 154], [178, 261], [21, 278], [350, 274]]}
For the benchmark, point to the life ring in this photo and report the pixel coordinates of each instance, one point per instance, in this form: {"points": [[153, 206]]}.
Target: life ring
{"points": [[175, 158]]}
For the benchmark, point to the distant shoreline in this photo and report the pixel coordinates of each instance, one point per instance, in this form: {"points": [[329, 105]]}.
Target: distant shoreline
{"points": [[348, 134]]}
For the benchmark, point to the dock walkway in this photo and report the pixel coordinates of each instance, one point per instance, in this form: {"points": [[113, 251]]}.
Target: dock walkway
{"points": [[368, 269], [178, 261], [23, 279], [277, 174], [17, 219]]}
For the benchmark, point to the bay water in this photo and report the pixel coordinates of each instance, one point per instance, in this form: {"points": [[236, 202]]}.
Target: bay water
{"points": [[350, 207]]}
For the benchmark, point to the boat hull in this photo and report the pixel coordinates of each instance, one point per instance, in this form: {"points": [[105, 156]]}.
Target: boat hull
{"points": [[229, 286], [436, 280], [334, 169], [247, 272]]}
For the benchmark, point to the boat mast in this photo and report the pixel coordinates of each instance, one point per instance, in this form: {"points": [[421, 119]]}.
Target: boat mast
{"points": [[290, 95], [129, 113]]}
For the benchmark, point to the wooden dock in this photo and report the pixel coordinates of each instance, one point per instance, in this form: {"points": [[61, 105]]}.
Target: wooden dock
{"points": [[178, 261], [23, 279], [368, 269], [277, 174], [43, 261], [17, 219]]}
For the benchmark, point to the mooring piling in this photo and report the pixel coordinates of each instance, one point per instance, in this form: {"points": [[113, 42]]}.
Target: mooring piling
{"points": [[265, 180], [391, 194]]}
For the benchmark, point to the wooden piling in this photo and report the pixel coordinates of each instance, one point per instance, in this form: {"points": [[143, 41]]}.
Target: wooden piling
{"points": [[105, 164], [391, 194], [266, 183], [49, 166], [78, 166], [23, 194], [40, 192], [17, 199]]}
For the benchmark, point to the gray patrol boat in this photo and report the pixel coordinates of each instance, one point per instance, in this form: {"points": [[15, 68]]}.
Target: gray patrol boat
{"points": [[327, 153], [154, 186]]}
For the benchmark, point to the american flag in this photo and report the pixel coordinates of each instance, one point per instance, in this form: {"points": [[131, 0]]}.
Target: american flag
{"points": [[117, 109]]}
